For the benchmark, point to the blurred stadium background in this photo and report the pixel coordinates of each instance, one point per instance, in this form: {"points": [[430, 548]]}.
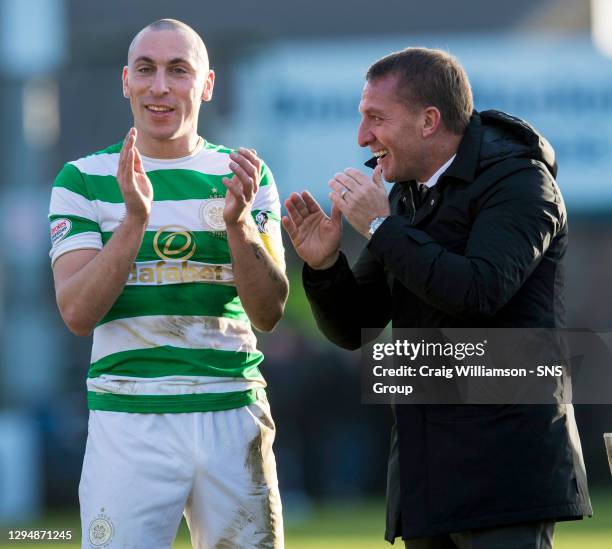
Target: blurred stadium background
{"points": [[289, 75]]}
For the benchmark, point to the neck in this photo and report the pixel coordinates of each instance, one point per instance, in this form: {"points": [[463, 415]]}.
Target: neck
{"points": [[167, 148], [439, 154]]}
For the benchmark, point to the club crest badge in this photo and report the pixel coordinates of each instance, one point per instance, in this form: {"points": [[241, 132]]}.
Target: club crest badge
{"points": [[100, 530], [211, 214]]}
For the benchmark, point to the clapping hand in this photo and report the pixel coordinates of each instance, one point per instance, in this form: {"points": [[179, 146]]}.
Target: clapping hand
{"points": [[315, 236], [242, 186], [134, 183]]}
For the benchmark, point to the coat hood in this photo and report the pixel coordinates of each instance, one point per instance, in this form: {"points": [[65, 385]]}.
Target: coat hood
{"points": [[505, 136]]}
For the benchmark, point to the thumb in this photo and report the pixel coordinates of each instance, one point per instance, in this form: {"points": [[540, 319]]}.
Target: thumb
{"points": [[377, 176], [336, 215]]}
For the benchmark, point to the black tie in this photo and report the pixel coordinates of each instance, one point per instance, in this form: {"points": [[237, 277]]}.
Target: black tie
{"points": [[423, 192]]}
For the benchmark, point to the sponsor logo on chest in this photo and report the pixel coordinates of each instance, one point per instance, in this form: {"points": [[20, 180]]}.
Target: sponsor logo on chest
{"points": [[153, 273]]}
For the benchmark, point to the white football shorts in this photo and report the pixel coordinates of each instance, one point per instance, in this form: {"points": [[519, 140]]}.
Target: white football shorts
{"points": [[142, 471]]}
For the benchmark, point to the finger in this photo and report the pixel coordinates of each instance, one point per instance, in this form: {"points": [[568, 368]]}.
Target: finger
{"points": [[357, 176], [336, 215], [127, 169], [248, 162], [245, 180], [339, 189], [228, 182], [295, 216], [300, 204], [129, 141], [129, 138], [123, 152], [121, 164], [130, 165], [124, 178], [377, 176], [289, 226], [233, 188], [251, 156], [295, 209], [253, 160], [311, 204], [338, 202], [138, 165], [346, 181], [292, 199], [231, 183]]}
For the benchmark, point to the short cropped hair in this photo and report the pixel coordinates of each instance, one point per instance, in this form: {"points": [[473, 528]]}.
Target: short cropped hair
{"points": [[429, 78], [174, 24]]}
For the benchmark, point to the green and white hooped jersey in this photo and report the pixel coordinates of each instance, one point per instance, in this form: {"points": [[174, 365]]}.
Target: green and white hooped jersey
{"points": [[177, 339]]}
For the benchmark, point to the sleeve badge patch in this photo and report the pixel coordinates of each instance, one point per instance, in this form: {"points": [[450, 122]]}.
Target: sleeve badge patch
{"points": [[262, 222], [59, 229]]}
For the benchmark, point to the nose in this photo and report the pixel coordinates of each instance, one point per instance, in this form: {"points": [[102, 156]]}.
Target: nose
{"points": [[364, 134], [159, 84]]}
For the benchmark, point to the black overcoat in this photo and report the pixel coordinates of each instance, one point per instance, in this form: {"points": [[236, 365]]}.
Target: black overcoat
{"points": [[484, 249]]}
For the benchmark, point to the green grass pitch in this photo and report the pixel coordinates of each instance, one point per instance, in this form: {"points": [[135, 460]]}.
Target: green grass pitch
{"points": [[359, 525]]}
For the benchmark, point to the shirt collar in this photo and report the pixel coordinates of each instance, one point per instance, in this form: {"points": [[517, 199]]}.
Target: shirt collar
{"points": [[434, 178]]}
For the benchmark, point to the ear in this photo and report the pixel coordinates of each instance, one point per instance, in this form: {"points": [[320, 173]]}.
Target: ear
{"points": [[431, 120], [207, 93], [126, 87]]}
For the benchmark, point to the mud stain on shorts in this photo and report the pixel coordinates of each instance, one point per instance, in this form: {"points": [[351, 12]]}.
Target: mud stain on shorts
{"points": [[254, 461], [259, 524], [233, 530], [267, 421]]}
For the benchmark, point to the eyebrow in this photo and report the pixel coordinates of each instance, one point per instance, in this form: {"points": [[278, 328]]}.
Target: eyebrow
{"points": [[178, 61], [144, 58], [371, 111], [175, 61]]}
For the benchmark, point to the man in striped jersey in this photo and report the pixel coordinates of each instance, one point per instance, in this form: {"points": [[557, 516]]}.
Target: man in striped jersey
{"points": [[168, 248]]}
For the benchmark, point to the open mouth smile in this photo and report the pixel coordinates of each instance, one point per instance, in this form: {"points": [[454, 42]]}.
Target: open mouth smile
{"points": [[159, 108]]}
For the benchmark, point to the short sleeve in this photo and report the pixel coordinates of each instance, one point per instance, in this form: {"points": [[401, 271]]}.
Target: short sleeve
{"points": [[72, 215], [266, 211]]}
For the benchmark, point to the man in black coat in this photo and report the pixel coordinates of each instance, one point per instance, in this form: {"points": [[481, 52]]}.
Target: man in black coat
{"points": [[473, 234]]}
